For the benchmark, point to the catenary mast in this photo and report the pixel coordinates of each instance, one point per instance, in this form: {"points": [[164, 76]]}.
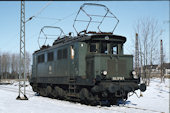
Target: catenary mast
{"points": [[22, 65]]}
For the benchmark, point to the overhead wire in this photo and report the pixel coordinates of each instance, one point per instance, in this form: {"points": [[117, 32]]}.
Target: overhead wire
{"points": [[30, 18], [59, 19], [69, 15], [36, 16], [64, 18], [41, 10], [49, 18], [38, 12]]}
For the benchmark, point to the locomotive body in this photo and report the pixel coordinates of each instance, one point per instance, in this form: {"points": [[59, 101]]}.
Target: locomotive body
{"points": [[89, 68], [85, 68]]}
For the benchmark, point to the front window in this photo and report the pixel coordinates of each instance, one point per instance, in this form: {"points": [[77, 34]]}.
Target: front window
{"points": [[114, 49], [93, 47], [105, 48]]}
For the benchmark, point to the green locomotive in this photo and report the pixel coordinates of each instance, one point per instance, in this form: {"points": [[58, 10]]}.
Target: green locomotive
{"points": [[88, 68]]}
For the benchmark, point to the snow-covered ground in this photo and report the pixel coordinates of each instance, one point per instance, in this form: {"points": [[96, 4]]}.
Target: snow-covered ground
{"points": [[155, 100]]}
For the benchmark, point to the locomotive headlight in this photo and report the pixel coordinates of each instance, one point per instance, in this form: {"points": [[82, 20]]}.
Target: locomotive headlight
{"points": [[104, 73], [134, 74]]}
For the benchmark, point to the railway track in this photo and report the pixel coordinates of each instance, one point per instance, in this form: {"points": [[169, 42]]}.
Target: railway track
{"points": [[143, 109], [111, 109]]}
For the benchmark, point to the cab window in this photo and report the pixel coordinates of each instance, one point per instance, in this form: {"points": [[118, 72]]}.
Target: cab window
{"points": [[93, 47], [104, 48]]}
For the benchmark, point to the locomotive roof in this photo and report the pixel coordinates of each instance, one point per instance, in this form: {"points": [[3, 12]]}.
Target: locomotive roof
{"points": [[84, 38]]}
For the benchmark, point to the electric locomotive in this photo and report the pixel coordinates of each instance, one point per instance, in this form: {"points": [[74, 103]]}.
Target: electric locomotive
{"points": [[89, 68]]}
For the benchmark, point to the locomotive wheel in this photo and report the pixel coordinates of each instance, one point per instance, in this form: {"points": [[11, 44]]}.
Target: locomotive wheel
{"points": [[49, 91], [55, 92], [84, 95], [87, 98], [43, 92], [34, 89], [114, 101], [58, 92]]}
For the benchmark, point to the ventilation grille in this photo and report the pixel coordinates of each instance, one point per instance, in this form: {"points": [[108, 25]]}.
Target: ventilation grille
{"points": [[116, 68]]}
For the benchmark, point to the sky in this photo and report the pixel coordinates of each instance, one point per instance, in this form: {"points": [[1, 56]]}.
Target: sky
{"points": [[128, 13]]}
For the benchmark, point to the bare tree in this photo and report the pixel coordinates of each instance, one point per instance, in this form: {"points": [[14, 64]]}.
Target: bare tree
{"points": [[14, 65], [17, 63], [5, 64], [149, 34], [9, 65], [28, 62]]}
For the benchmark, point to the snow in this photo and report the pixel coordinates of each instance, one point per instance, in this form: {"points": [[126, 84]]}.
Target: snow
{"points": [[155, 100]]}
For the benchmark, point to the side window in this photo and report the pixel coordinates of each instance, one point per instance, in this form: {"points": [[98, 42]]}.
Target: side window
{"points": [[40, 58], [50, 56], [59, 54], [114, 50], [62, 54], [65, 53], [93, 48]]}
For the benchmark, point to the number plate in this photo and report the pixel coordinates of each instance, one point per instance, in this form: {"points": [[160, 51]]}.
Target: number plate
{"points": [[118, 78]]}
